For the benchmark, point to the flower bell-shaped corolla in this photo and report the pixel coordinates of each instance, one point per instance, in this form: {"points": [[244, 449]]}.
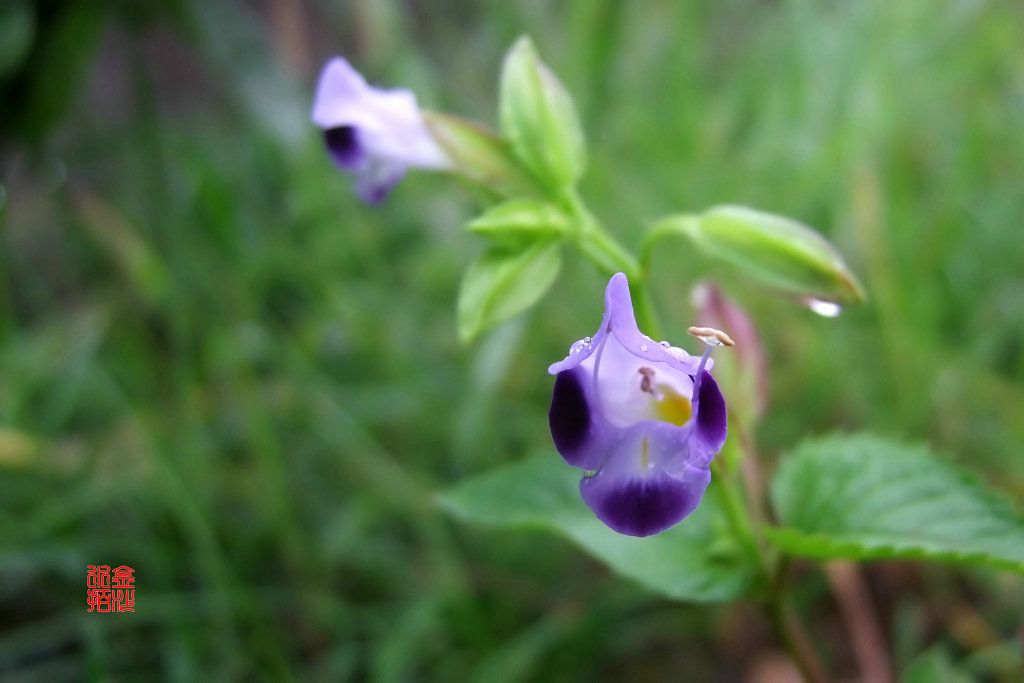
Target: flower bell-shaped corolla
{"points": [[375, 134], [643, 419]]}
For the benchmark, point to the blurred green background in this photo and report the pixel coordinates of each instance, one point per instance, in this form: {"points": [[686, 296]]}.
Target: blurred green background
{"points": [[220, 369]]}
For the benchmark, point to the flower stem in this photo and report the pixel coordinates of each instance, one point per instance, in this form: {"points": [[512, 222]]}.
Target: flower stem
{"points": [[736, 513], [597, 245], [685, 224], [773, 573], [796, 640], [611, 257]]}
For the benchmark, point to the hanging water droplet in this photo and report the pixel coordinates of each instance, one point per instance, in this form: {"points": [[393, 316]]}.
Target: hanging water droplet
{"points": [[827, 309]]}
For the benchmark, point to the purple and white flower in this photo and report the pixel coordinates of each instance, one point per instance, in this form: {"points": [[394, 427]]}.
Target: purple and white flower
{"points": [[642, 418], [374, 133]]}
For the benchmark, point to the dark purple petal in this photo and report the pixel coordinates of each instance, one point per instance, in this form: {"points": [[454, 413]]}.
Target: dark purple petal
{"points": [[645, 505], [712, 423], [569, 416], [344, 148]]}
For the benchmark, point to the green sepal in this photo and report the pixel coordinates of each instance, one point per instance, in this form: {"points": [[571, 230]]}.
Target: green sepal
{"points": [[539, 119], [503, 282], [479, 155]]}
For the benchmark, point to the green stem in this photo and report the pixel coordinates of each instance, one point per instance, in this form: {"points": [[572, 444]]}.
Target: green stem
{"points": [[772, 575], [736, 512], [745, 516], [611, 257], [678, 225], [795, 639], [600, 247]]}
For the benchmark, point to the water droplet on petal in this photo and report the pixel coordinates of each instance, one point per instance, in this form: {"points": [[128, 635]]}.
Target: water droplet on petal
{"points": [[586, 340], [664, 344], [827, 309], [643, 347]]}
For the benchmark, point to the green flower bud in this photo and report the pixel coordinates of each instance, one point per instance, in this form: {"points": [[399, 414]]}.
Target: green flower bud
{"points": [[539, 119], [778, 251]]}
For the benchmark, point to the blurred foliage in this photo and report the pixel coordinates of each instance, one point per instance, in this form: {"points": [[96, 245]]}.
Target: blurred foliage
{"points": [[217, 368]]}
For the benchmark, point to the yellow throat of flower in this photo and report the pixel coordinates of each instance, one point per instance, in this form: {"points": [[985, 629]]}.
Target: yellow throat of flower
{"points": [[672, 406]]}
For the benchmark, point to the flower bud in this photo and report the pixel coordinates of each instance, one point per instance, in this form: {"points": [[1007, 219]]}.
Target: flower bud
{"points": [[776, 250]]}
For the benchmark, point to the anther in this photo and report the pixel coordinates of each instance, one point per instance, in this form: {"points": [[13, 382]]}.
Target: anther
{"points": [[647, 382], [711, 336]]}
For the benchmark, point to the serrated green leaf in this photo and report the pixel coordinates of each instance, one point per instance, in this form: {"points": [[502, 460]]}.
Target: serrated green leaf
{"points": [[503, 282], [539, 119], [867, 497], [519, 220], [683, 563]]}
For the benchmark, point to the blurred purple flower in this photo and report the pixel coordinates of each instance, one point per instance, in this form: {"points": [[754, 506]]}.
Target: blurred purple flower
{"points": [[643, 419], [375, 134]]}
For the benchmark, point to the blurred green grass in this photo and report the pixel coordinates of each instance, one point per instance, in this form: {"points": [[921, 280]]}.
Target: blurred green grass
{"points": [[218, 368]]}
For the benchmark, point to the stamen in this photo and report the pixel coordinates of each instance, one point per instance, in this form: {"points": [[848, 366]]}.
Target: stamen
{"points": [[647, 383], [711, 338]]}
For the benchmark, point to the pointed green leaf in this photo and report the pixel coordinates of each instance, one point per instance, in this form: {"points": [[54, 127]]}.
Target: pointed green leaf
{"points": [[867, 497], [503, 282], [539, 119], [776, 250], [687, 562], [520, 220]]}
